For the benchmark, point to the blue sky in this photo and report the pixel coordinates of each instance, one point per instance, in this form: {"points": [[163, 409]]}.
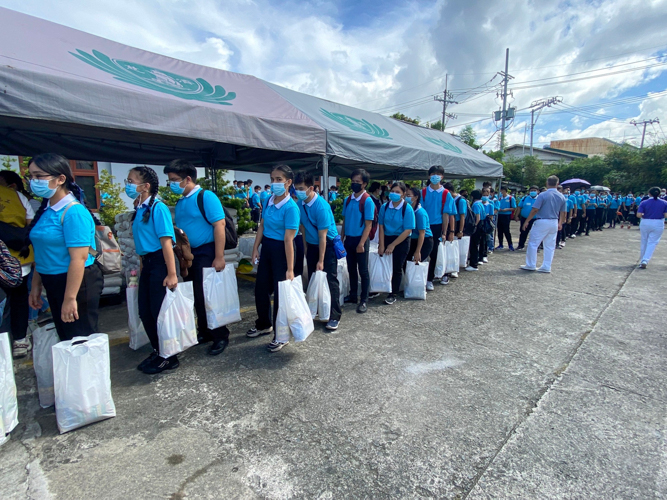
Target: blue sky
{"points": [[393, 55]]}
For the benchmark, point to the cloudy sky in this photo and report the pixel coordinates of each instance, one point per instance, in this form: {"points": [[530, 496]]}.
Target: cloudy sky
{"points": [[606, 59]]}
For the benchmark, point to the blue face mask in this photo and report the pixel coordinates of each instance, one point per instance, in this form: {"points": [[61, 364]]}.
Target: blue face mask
{"points": [[485, 198], [577, 193], [176, 187], [301, 195], [41, 188], [409, 199], [435, 179], [131, 191], [394, 197], [533, 194], [278, 188]]}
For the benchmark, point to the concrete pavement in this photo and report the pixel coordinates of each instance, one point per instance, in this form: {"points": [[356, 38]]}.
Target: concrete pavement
{"points": [[504, 384]]}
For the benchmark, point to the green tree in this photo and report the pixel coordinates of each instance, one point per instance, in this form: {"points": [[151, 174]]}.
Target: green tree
{"points": [[111, 202], [402, 117], [469, 136], [436, 125]]}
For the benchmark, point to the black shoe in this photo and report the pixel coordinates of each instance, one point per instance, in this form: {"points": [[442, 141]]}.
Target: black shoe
{"points": [[362, 307], [391, 298], [350, 300], [254, 332], [217, 347], [373, 295], [203, 339], [160, 364], [147, 361]]}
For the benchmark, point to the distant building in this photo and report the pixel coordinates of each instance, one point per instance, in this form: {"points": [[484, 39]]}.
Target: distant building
{"points": [[591, 146], [548, 155]]}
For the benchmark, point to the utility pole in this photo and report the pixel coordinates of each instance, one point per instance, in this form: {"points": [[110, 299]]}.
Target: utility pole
{"points": [[538, 106], [446, 99], [645, 122], [506, 77]]}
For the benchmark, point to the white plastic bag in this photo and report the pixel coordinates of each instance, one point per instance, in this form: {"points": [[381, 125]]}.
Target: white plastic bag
{"points": [[319, 296], [343, 280], [464, 246], [138, 337], [293, 312], [416, 276], [221, 297], [176, 328], [8, 404], [43, 339], [440, 263], [380, 272], [82, 381], [452, 257]]}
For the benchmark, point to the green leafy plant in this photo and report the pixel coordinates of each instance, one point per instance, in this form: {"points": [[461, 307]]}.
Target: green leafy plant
{"points": [[112, 204]]}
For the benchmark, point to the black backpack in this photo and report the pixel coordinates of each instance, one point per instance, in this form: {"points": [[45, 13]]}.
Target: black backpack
{"points": [[231, 236], [470, 226]]}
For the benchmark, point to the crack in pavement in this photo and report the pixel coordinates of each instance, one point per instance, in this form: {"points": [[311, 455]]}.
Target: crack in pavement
{"points": [[532, 406]]}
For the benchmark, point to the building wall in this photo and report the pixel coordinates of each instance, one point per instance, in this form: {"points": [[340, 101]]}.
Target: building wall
{"points": [[592, 146], [547, 158]]}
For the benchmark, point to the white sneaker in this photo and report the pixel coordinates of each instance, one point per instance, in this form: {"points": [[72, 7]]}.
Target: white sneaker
{"points": [[526, 268], [429, 286], [470, 268], [543, 270], [444, 281], [485, 260], [21, 347], [454, 275]]}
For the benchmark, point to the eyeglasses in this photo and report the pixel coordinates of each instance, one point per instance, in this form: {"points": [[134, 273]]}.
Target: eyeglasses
{"points": [[130, 181], [40, 176]]}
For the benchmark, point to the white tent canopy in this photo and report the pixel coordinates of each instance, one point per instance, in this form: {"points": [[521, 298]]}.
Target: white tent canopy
{"points": [[90, 98]]}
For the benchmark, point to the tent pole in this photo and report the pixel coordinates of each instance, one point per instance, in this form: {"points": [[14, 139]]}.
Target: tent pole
{"points": [[324, 184]]}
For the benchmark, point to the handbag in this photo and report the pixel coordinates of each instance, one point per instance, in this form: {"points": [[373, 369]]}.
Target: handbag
{"points": [[338, 247]]}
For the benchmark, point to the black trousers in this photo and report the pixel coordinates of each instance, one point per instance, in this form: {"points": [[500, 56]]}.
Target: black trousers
{"points": [[357, 265], [331, 268], [562, 234], [476, 240], [504, 229], [255, 215], [611, 216], [399, 255], [427, 247], [590, 221], [583, 220], [436, 229], [17, 305], [151, 293], [203, 257], [601, 217], [299, 254], [87, 301], [572, 226], [272, 269], [523, 236]]}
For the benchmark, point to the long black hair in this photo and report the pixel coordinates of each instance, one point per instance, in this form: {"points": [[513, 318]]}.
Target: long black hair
{"points": [[148, 176], [654, 192], [12, 177], [55, 165]]}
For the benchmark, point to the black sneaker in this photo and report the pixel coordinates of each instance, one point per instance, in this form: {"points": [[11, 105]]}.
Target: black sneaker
{"points": [[254, 332], [391, 298], [158, 365], [217, 347], [373, 295], [362, 307], [276, 346], [147, 361], [350, 300]]}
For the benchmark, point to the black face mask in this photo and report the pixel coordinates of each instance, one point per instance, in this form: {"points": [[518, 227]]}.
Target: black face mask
{"points": [[357, 187]]}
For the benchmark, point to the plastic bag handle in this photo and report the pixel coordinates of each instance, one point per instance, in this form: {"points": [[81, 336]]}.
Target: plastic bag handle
{"points": [[78, 342]]}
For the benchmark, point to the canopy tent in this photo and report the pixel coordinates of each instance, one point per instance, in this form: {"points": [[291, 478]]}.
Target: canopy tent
{"points": [[93, 99]]}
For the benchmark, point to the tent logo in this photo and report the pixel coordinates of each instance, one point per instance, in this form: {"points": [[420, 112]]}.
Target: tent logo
{"points": [[443, 144], [157, 79], [363, 126]]}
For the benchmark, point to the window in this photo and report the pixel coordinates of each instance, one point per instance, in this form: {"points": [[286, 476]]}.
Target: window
{"points": [[86, 176]]}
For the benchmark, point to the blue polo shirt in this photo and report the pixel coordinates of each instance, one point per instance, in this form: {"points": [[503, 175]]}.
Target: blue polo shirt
{"points": [[638, 200], [240, 193], [265, 195], [189, 218], [254, 200], [490, 208], [496, 204], [461, 207], [393, 220], [354, 226], [478, 208], [147, 234], [433, 205], [281, 217], [570, 205], [333, 195], [526, 205], [507, 202], [315, 216], [52, 240], [602, 202], [614, 203], [421, 223], [592, 203]]}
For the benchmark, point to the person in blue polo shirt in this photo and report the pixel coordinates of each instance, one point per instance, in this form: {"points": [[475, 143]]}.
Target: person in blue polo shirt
{"points": [[265, 195], [358, 218], [612, 211], [478, 238], [62, 234], [506, 206], [276, 232], [421, 240], [601, 211], [319, 230], [154, 237], [524, 208], [591, 208], [581, 211], [207, 241], [461, 207], [436, 203], [396, 222]]}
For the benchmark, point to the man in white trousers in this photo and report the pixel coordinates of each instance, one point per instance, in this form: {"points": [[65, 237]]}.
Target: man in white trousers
{"points": [[549, 210]]}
